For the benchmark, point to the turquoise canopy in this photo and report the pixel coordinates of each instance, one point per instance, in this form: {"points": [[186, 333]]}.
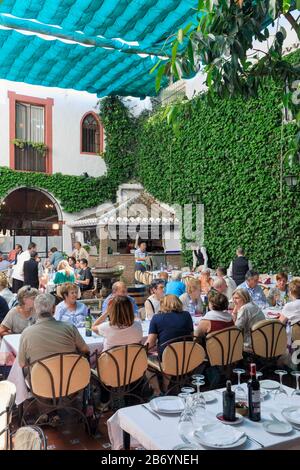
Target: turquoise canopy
{"points": [[106, 47]]}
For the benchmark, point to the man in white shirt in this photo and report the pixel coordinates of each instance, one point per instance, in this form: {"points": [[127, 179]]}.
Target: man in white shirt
{"points": [[18, 270]]}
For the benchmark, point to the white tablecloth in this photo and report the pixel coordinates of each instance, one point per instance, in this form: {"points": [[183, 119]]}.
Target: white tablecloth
{"points": [[151, 434], [10, 347]]}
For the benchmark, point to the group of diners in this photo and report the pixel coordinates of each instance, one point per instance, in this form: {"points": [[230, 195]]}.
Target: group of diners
{"points": [[174, 309], [48, 329], [26, 268]]}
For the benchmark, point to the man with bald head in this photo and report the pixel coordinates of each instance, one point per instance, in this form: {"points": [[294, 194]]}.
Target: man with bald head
{"points": [[119, 289]]}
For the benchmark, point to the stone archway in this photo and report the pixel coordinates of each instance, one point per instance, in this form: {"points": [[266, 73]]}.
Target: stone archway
{"points": [[30, 214]]}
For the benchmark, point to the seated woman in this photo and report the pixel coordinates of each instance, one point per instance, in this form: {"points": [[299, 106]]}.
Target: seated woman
{"points": [[70, 309], [205, 281], [21, 316], [122, 328], [64, 273], [175, 286], [217, 318], [245, 314], [291, 311], [5, 292], [171, 322], [191, 300], [279, 293], [152, 304]]}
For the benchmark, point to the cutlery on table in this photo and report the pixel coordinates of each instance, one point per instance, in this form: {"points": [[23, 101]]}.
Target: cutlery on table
{"points": [[152, 412], [254, 440]]}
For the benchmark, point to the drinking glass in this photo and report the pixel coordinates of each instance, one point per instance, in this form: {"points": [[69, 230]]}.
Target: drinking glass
{"points": [[281, 392], [296, 392], [198, 407], [198, 380], [186, 428], [186, 398], [240, 393]]}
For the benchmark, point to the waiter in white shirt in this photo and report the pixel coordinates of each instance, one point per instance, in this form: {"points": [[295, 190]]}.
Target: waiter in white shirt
{"points": [[18, 269]]}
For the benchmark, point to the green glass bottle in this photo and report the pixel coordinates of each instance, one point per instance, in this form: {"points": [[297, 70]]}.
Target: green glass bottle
{"points": [[88, 324]]}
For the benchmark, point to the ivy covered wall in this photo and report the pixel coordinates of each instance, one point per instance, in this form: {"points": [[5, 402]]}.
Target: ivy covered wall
{"points": [[231, 154]]}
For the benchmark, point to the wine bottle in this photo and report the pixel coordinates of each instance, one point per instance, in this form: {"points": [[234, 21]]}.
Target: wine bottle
{"points": [[205, 305], [253, 395], [228, 403], [88, 324]]}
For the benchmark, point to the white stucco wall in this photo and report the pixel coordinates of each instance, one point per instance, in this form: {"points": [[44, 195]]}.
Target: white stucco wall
{"points": [[68, 109]]}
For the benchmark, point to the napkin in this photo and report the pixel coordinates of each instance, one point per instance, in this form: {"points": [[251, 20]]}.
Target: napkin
{"points": [[168, 404], [218, 435]]}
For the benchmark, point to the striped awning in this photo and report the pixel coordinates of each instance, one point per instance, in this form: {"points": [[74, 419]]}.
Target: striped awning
{"points": [[107, 47]]}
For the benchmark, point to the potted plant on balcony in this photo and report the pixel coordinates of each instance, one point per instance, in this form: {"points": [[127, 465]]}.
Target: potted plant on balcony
{"points": [[40, 147]]}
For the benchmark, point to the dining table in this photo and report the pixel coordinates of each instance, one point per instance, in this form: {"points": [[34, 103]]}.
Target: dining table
{"points": [[137, 426]]}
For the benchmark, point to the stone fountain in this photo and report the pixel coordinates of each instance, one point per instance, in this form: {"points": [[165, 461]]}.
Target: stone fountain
{"points": [[104, 274]]}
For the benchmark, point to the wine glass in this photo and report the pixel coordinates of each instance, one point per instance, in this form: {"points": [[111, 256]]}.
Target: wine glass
{"points": [[187, 402], [240, 393], [186, 428], [281, 392], [198, 380], [296, 392], [198, 408]]}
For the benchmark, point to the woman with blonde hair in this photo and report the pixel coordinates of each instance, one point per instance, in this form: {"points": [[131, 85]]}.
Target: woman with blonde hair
{"points": [[122, 328], [191, 300], [205, 281], [291, 311], [245, 314], [169, 323], [21, 316], [64, 273]]}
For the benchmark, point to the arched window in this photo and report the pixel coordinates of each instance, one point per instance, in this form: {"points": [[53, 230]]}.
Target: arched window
{"points": [[91, 134]]}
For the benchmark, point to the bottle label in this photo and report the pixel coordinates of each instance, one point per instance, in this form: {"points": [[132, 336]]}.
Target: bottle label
{"points": [[256, 401]]}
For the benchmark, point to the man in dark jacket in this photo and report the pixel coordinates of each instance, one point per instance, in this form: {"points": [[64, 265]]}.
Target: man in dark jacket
{"points": [[31, 272], [239, 266]]}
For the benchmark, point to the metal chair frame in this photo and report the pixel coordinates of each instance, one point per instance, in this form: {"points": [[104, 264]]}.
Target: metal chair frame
{"points": [[182, 376], [122, 390], [58, 403]]}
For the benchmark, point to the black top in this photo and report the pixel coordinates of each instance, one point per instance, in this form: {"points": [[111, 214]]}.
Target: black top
{"points": [[171, 325], [240, 266], [84, 275], [3, 308], [31, 273]]}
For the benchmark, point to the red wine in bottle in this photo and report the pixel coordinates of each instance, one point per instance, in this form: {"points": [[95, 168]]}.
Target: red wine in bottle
{"points": [[228, 403], [253, 395]]}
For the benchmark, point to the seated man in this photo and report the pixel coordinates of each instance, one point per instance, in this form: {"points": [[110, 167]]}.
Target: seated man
{"points": [[4, 263], [119, 289], [86, 280], [219, 285], [175, 286], [231, 285], [255, 291], [48, 336]]}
